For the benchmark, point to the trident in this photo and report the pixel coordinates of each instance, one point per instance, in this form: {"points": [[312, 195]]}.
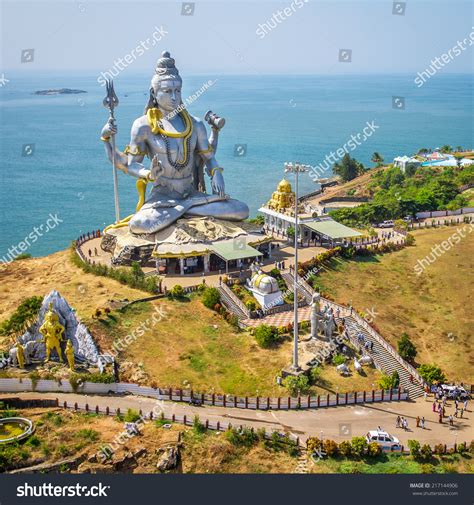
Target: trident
{"points": [[110, 102]]}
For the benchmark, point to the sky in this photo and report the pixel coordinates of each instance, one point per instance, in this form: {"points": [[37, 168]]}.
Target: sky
{"points": [[235, 37]]}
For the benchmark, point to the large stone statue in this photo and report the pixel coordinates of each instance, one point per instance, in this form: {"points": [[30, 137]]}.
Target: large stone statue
{"points": [[178, 147], [52, 331]]}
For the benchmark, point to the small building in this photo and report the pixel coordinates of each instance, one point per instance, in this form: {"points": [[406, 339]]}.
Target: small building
{"points": [[327, 231], [403, 161], [265, 289]]}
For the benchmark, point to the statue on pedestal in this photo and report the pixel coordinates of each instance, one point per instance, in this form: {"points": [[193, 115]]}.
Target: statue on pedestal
{"points": [[52, 331], [20, 354], [70, 354], [179, 150]]}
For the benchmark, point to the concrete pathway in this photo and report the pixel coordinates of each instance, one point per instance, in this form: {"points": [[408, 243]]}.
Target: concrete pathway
{"points": [[337, 423]]}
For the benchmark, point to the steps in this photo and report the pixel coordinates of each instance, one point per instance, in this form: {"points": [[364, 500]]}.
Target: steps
{"points": [[382, 357], [232, 303], [302, 463]]}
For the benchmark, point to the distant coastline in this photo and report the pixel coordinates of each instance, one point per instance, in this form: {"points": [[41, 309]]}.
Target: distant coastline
{"points": [[59, 91]]}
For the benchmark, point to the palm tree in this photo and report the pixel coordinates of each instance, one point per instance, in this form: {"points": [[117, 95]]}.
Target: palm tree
{"points": [[446, 148], [377, 159]]}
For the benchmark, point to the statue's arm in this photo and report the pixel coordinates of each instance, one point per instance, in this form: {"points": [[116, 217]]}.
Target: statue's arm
{"points": [[204, 149], [130, 160]]}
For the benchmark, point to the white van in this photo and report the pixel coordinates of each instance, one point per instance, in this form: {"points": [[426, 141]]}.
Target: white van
{"points": [[384, 439]]}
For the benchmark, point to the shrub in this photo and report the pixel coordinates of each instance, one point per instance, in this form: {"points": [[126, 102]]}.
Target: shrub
{"points": [[88, 434], [358, 446], [198, 427], [315, 374], [131, 416], [330, 448], [251, 305], [177, 291], [338, 359], [266, 335], [345, 448], [244, 437], [462, 448], [406, 348], [410, 239], [389, 381], [211, 298], [313, 444], [439, 449], [427, 468], [425, 452], [414, 447], [23, 316], [374, 449], [296, 385], [431, 374]]}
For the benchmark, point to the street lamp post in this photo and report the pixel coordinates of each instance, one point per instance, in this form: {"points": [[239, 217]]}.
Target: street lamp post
{"points": [[295, 169]]}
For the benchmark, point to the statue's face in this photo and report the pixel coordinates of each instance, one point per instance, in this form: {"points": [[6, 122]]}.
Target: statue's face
{"points": [[168, 95]]}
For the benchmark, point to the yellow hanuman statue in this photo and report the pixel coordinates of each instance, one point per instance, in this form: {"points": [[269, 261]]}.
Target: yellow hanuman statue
{"points": [[20, 355], [70, 354], [52, 331]]}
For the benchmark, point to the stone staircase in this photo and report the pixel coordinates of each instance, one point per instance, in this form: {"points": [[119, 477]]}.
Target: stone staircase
{"points": [[302, 465], [232, 302], [384, 356]]}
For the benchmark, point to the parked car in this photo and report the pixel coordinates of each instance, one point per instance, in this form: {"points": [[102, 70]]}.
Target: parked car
{"points": [[384, 439], [386, 224], [455, 392]]}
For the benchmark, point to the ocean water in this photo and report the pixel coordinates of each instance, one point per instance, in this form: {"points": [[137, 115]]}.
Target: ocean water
{"points": [[277, 119]]}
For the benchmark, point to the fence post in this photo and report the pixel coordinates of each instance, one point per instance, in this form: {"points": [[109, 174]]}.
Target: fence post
{"points": [[257, 399], [57, 402], [235, 400], [96, 409], [213, 399], [184, 419], [180, 394], [65, 405], [399, 393], [278, 402], [246, 402], [170, 392], [347, 397], [151, 415], [223, 399], [268, 403], [327, 400], [373, 395], [87, 407], [319, 401], [218, 426], [309, 401], [192, 395], [107, 410], [118, 411], [207, 424], [75, 406], [289, 403], [391, 394], [355, 397], [364, 395]]}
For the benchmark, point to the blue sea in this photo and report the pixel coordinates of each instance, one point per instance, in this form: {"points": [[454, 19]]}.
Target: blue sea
{"points": [[52, 161]]}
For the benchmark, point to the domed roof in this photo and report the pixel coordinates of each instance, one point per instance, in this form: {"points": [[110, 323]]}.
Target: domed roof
{"points": [[265, 283], [284, 186]]}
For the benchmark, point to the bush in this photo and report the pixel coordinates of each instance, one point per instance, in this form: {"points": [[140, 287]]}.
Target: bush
{"points": [[177, 292], [313, 444], [410, 239], [266, 335], [406, 348], [25, 314], [345, 448], [296, 385], [462, 448], [244, 437], [198, 427], [425, 452], [389, 381], [315, 374], [374, 449], [338, 359], [414, 447], [358, 446], [88, 434], [431, 374], [251, 305], [211, 298], [131, 416], [330, 448], [439, 449]]}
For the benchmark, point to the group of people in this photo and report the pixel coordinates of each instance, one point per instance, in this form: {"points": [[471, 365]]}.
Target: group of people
{"points": [[402, 422], [95, 252], [280, 265], [439, 406]]}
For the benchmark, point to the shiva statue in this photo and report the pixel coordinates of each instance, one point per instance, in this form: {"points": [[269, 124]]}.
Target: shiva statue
{"points": [[178, 147], [52, 331]]}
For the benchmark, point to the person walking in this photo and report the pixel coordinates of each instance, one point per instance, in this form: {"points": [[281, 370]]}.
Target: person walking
{"points": [[95, 251], [425, 395], [418, 421], [423, 423], [440, 420], [398, 422], [465, 405], [434, 406], [462, 412], [451, 420]]}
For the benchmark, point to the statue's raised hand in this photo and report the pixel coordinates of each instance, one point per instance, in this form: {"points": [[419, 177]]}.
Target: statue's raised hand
{"points": [[109, 129], [217, 183]]}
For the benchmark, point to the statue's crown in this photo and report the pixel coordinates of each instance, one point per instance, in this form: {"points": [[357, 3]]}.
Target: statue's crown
{"points": [[165, 67]]}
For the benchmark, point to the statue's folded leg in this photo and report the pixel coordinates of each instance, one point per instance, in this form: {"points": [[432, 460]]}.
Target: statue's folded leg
{"points": [[230, 209], [150, 220]]}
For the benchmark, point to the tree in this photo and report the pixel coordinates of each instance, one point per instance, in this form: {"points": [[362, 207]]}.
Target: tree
{"points": [[446, 149], [266, 335], [359, 446], [389, 381], [290, 231], [431, 374], [414, 447], [406, 348], [211, 297], [348, 169], [377, 159], [137, 271], [315, 374], [296, 385]]}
